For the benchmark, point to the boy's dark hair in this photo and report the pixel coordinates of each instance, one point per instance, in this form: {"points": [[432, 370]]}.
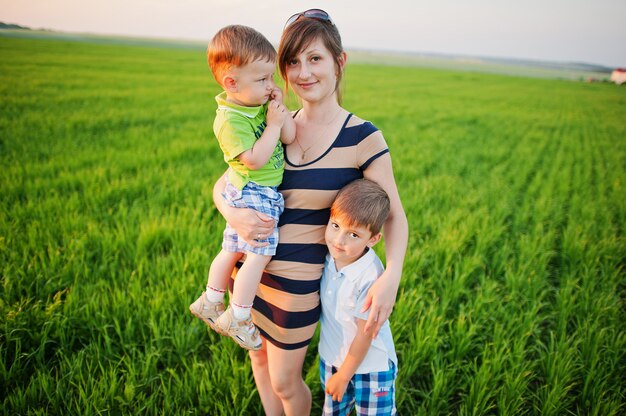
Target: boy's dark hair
{"points": [[235, 46], [363, 203]]}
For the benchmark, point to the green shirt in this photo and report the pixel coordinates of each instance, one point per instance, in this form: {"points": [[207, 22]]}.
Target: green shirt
{"points": [[237, 128]]}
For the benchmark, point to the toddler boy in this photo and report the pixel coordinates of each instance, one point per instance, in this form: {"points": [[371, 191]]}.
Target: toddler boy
{"points": [[250, 123], [354, 368]]}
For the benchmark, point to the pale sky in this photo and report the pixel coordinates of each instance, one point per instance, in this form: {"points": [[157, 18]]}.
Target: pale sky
{"points": [[590, 31]]}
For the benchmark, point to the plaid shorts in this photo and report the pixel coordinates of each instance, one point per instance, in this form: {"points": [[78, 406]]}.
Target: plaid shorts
{"points": [[372, 393], [265, 199]]}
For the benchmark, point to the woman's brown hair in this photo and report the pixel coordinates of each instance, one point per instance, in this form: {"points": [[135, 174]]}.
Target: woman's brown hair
{"points": [[298, 35]]}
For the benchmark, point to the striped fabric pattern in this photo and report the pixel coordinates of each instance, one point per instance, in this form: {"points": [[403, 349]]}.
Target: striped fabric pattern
{"points": [[287, 306]]}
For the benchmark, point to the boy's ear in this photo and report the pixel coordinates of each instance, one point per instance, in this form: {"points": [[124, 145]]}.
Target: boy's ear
{"points": [[230, 84], [374, 239]]}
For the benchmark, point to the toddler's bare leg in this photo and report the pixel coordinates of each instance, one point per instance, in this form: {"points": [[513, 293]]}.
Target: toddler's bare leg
{"points": [[222, 268], [248, 278]]}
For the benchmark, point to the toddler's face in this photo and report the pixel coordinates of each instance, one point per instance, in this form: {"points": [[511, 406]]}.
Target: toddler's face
{"points": [[254, 83]]}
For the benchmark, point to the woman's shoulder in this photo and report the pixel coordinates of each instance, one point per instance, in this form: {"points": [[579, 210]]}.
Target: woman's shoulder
{"points": [[355, 120], [364, 128]]}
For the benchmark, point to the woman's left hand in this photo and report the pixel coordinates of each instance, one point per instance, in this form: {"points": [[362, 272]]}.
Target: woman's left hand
{"points": [[379, 300]]}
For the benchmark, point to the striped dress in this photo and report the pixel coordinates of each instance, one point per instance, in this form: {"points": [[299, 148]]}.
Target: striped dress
{"points": [[287, 305]]}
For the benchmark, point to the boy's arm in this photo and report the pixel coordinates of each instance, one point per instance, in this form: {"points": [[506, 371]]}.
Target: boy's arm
{"points": [[338, 383], [257, 156], [288, 132]]}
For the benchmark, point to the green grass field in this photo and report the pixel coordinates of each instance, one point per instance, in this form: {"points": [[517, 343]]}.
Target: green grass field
{"points": [[513, 296]]}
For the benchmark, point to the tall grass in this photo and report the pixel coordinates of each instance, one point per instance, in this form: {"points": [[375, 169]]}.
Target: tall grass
{"points": [[512, 298]]}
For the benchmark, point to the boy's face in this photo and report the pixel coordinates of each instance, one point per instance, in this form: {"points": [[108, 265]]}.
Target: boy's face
{"points": [[347, 243], [252, 84]]}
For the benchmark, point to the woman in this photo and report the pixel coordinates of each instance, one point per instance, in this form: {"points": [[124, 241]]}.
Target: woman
{"points": [[332, 148]]}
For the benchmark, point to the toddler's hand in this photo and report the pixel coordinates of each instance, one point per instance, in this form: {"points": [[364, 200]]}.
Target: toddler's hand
{"points": [[276, 113], [277, 95]]}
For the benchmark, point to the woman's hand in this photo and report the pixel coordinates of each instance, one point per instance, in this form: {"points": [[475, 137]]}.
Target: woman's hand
{"points": [[249, 224], [379, 300]]}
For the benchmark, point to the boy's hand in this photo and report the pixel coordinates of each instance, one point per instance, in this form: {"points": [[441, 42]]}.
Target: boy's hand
{"points": [[277, 95], [276, 113], [336, 386]]}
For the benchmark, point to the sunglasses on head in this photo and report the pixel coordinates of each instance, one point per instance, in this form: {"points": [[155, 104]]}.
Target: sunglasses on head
{"points": [[318, 14]]}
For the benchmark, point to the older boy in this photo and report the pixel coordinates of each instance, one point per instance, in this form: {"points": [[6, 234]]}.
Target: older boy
{"points": [[250, 120], [354, 368]]}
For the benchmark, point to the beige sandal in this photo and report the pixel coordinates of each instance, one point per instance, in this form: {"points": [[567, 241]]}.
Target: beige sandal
{"points": [[208, 312], [243, 331]]}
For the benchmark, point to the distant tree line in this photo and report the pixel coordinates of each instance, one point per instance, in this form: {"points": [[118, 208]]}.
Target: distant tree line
{"points": [[12, 26]]}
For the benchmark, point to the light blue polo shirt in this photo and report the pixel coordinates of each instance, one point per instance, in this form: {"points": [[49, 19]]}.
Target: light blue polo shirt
{"points": [[342, 294]]}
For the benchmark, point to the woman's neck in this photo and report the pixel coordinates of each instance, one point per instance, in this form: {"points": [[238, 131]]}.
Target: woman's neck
{"points": [[322, 112]]}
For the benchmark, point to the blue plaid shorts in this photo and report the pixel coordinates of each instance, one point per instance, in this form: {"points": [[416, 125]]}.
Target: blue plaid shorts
{"points": [[372, 393], [265, 199]]}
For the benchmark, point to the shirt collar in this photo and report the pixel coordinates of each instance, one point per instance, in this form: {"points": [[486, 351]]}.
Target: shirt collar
{"points": [[353, 270], [250, 112]]}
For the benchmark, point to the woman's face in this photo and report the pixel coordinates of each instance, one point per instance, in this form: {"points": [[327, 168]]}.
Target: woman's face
{"points": [[312, 73]]}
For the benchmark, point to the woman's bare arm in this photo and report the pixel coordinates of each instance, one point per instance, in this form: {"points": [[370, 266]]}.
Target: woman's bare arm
{"points": [[382, 295], [249, 224]]}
